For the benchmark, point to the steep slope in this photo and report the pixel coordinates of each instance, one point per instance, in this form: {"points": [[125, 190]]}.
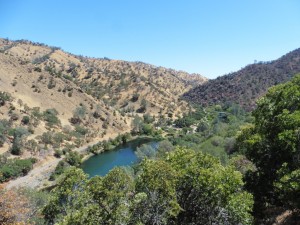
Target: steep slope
{"points": [[32, 91], [63, 99], [248, 84], [130, 87]]}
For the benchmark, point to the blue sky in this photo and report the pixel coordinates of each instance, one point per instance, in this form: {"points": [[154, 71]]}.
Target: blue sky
{"points": [[210, 37]]}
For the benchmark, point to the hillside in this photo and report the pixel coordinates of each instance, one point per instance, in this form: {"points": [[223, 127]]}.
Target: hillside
{"points": [[32, 96], [248, 84], [62, 99], [127, 86]]}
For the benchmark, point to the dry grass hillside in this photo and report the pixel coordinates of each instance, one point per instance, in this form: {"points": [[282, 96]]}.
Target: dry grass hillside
{"points": [[130, 87], [62, 99]]}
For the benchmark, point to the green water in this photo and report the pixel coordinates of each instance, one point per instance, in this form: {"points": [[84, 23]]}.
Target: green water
{"points": [[123, 155]]}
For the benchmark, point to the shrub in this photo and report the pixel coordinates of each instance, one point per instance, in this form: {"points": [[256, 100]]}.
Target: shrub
{"points": [[50, 116], [74, 159], [4, 97], [25, 120], [59, 169], [15, 167], [135, 97], [58, 153]]}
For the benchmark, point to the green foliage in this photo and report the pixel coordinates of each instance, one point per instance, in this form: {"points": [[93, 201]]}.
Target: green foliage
{"points": [[47, 138], [73, 158], [208, 192], [50, 116], [25, 120], [148, 118], [213, 131], [164, 147], [67, 197], [13, 168], [183, 188], [58, 153], [288, 186], [137, 124], [147, 129], [145, 152], [272, 144], [112, 195], [4, 97], [18, 133], [4, 127], [16, 146], [110, 144], [157, 182], [185, 121], [51, 83], [141, 127], [36, 113], [80, 111], [59, 169], [81, 130], [143, 106], [242, 164], [58, 138]]}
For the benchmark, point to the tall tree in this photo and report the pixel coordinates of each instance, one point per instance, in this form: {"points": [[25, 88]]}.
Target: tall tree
{"points": [[273, 145]]}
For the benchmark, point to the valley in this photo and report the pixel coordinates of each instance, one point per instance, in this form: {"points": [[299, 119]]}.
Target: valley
{"points": [[63, 116], [70, 101]]}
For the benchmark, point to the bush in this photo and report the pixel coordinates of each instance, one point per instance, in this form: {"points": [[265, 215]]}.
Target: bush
{"points": [[81, 130], [15, 168], [135, 97], [185, 121], [58, 153], [50, 116], [59, 169], [147, 129], [25, 120], [4, 97], [74, 159], [51, 83]]}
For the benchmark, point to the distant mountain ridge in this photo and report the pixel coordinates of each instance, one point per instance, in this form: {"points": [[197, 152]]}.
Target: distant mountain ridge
{"points": [[248, 84]]}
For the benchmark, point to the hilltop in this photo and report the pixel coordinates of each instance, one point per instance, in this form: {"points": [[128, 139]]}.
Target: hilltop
{"points": [[248, 84]]}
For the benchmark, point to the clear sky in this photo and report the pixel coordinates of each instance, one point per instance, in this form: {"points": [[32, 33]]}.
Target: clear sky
{"points": [[210, 37]]}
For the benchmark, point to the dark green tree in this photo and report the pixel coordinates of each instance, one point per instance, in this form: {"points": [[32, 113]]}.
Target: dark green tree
{"points": [[273, 145]]}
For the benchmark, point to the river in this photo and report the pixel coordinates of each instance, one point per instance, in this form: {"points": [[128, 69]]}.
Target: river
{"points": [[123, 155]]}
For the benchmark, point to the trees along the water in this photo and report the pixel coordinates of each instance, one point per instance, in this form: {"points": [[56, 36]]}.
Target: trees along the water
{"points": [[112, 196], [208, 192], [155, 201], [68, 198], [183, 188], [100, 200], [273, 145]]}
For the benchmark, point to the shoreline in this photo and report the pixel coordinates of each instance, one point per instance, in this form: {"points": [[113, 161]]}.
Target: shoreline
{"points": [[134, 138], [38, 177]]}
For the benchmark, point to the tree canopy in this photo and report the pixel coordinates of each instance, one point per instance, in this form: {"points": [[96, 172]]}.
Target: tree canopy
{"points": [[273, 145], [183, 188]]}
